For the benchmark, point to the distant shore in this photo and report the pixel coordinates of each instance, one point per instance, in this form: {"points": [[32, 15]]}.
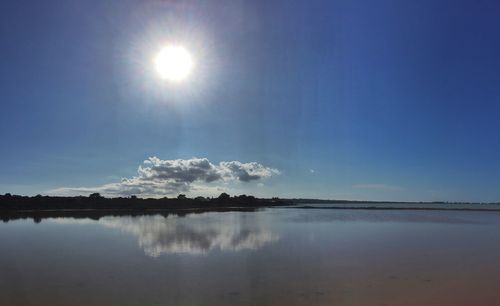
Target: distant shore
{"points": [[97, 202], [97, 205], [479, 207]]}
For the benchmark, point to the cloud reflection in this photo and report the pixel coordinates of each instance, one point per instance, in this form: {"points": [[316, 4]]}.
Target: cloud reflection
{"points": [[191, 234]]}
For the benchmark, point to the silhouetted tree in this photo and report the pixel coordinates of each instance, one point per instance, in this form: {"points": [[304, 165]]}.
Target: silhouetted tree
{"points": [[95, 195], [181, 197], [224, 197]]}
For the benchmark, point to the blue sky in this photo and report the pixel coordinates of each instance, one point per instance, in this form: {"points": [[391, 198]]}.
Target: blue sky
{"points": [[358, 99]]}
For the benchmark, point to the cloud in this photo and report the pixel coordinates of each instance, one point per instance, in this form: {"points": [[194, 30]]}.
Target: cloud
{"points": [[383, 187], [245, 172], [157, 177]]}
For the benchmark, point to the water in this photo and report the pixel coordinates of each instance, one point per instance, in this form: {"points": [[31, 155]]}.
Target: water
{"points": [[282, 256]]}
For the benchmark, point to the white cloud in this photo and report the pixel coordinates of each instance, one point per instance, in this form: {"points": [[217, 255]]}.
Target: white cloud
{"points": [[157, 177], [245, 172]]}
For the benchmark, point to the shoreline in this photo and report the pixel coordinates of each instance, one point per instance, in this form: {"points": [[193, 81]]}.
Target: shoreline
{"points": [[38, 215], [96, 206], [400, 208]]}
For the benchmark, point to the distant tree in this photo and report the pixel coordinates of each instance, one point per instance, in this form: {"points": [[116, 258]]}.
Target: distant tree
{"points": [[181, 197], [8, 195], [224, 196], [95, 195], [244, 199], [200, 199], [133, 197]]}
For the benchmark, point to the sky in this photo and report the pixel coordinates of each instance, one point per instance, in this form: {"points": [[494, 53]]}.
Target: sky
{"points": [[332, 99]]}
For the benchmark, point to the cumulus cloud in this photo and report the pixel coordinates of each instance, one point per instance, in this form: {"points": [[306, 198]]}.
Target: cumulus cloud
{"points": [[245, 172], [157, 177]]}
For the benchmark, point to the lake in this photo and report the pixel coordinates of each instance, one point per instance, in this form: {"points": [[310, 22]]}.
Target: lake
{"points": [[273, 256]]}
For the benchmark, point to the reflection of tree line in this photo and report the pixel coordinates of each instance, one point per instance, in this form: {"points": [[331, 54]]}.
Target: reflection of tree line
{"points": [[38, 216], [95, 201]]}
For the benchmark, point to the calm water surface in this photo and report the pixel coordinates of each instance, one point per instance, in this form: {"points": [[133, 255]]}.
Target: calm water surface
{"points": [[268, 257]]}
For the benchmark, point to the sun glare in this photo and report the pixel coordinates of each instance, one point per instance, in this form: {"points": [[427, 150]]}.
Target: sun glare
{"points": [[173, 63]]}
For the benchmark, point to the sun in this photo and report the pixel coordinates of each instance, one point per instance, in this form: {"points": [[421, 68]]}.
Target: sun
{"points": [[173, 63]]}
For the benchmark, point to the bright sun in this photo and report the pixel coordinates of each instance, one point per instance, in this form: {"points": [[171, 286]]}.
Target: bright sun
{"points": [[173, 63]]}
